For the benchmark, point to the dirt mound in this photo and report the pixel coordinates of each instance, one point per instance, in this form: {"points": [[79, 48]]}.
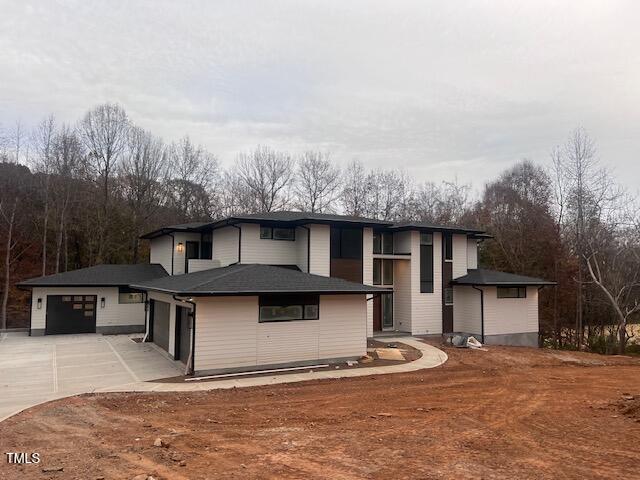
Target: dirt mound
{"points": [[629, 406]]}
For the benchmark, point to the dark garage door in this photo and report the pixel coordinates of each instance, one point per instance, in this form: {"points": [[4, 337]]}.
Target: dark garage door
{"points": [[70, 314], [160, 324]]}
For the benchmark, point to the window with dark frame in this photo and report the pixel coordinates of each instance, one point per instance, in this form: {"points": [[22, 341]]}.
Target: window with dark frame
{"points": [[377, 271], [512, 292], [377, 242], [448, 296], [387, 243], [387, 271], [346, 243], [277, 233], [128, 295], [448, 246], [426, 263], [285, 308]]}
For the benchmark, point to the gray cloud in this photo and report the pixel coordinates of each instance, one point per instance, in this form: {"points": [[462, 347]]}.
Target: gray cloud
{"points": [[454, 89]]}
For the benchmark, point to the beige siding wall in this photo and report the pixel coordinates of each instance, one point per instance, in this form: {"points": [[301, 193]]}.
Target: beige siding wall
{"points": [[196, 265], [402, 295], [510, 315], [320, 250], [179, 257], [160, 251], [472, 253], [113, 314], [228, 334], [273, 252], [225, 245], [459, 255], [367, 272], [426, 308], [466, 310]]}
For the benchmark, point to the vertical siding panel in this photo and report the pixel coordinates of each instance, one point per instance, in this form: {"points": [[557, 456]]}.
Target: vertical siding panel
{"points": [[320, 250], [367, 272], [472, 254], [459, 243], [426, 308]]}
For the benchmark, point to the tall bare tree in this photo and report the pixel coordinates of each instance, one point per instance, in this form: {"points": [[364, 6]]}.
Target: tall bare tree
{"points": [[355, 189], [266, 176], [317, 183], [104, 132]]}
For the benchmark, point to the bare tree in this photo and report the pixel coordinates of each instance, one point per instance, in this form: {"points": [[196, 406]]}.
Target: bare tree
{"points": [[142, 179], [355, 190], [317, 183], [43, 139], [104, 131], [266, 176], [194, 174]]}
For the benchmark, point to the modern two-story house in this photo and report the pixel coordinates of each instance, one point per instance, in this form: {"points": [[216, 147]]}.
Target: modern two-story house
{"points": [[285, 288]]}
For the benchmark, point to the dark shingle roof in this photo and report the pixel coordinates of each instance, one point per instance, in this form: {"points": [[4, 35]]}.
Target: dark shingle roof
{"points": [[251, 279], [432, 226], [483, 276], [182, 227], [99, 275], [303, 217]]}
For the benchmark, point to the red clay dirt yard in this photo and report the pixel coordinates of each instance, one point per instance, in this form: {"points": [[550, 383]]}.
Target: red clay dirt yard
{"points": [[507, 413]]}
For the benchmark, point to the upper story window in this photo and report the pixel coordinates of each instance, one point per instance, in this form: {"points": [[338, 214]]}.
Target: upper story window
{"points": [[512, 292], [382, 271], [277, 233], [382, 242], [206, 246], [426, 263], [448, 246], [346, 243]]}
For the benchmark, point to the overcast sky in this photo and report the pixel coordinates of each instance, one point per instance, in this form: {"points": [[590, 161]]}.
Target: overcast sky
{"points": [[441, 89]]}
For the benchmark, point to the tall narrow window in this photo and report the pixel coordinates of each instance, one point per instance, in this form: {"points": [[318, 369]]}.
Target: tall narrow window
{"points": [[377, 242], [426, 263], [448, 246], [387, 243], [377, 271], [387, 271]]}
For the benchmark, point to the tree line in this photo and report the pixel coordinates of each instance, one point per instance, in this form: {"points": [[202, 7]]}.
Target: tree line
{"points": [[77, 195]]}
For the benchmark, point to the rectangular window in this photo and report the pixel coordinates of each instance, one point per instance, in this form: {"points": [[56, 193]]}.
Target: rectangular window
{"points": [[387, 243], [377, 242], [387, 271], [284, 234], [387, 310], [512, 292], [346, 243], [128, 295], [206, 246], [448, 296], [283, 308], [377, 271], [426, 263], [266, 233], [448, 246]]}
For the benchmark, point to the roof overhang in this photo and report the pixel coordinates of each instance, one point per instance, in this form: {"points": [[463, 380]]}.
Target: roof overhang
{"points": [[232, 293]]}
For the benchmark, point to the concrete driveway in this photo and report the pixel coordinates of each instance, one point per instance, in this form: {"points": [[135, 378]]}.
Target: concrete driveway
{"points": [[38, 369]]}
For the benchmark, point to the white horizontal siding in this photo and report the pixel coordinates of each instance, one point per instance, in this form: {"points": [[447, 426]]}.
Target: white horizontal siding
{"points": [[426, 308], [466, 310], [113, 313], [320, 250], [402, 295], [272, 252], [160, 250], [179, 257], [367, 272], [472, 254], [197, 265], [459, 243], [225, 245], [228, 334], [510, 315]]}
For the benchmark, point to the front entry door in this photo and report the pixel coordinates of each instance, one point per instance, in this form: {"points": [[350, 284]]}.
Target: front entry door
{"points": [[387, 311], [70, 314], [377, 314]]}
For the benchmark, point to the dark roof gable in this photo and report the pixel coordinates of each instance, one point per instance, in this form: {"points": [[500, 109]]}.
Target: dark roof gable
{"points": [[482, 276], [99, 275]]}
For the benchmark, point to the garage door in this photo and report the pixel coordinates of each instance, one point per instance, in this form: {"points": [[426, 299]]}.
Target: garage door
{"points": [[70, 314], [160, 323]]}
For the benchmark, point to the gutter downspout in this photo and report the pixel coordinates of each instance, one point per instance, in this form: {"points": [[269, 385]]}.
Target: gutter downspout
{"points": [[481, 312], [239, 242], [146, 317], [190, 370], [308, 247]]}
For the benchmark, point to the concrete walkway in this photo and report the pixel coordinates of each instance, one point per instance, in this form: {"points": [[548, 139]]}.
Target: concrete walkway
{"points": [[35, 370], [431, 357]]}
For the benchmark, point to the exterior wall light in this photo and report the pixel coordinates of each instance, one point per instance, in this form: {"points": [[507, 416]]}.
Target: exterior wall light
{"points": [[102, 302], [39, 304], [180, 247]]}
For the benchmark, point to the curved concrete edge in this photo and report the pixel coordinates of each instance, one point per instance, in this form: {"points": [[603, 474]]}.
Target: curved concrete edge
{"points": [[431, 357]]}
